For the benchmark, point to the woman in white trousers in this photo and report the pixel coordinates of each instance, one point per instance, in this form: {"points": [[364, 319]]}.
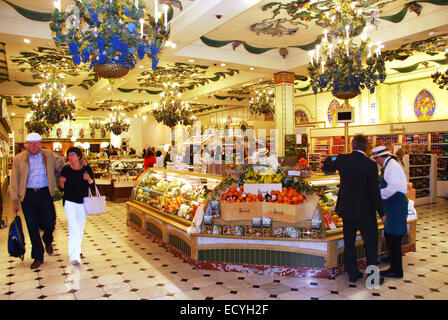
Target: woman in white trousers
{"points": [[75, 180]]}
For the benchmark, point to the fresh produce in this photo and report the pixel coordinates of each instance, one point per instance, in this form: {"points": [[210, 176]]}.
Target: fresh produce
{"points": [[286, 196], [268, 176], [173, 197]]}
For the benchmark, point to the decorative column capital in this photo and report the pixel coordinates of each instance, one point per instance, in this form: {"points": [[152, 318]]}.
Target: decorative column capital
{"points": [[284, 77]]}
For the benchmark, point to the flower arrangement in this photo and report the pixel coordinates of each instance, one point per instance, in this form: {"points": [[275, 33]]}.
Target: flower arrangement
{"points": [[110, 33], [302, 165]]}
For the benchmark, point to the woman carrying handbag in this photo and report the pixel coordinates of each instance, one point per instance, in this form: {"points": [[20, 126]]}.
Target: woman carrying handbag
{"points": [[75, 181]]}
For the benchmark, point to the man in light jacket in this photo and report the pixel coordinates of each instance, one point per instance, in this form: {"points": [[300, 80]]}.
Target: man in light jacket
{"points": [[33, 185]]}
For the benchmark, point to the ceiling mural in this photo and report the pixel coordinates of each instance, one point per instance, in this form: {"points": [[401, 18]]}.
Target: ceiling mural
{"points": [[42, 60], [189, 76]]}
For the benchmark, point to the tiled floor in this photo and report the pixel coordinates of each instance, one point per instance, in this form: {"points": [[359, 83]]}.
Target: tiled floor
{"points": [[120, 263]]}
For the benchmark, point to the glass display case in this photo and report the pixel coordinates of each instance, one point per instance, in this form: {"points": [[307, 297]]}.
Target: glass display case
{"points": [[124, 171], [173, 193]]}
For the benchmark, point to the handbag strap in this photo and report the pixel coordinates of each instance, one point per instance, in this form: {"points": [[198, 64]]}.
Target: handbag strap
{"points": [[97, 192]]}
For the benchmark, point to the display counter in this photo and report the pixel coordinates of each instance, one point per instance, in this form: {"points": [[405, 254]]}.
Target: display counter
{"points": [[115, 178], [279, 230]]}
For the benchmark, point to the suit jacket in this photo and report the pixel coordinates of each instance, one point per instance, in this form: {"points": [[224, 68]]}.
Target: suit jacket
{"points": [[359, 193]]}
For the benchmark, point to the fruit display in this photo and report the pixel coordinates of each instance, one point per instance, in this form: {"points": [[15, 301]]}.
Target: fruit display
{"points": [[266, 176], [172, 194], [286, 196], [327, 203]]}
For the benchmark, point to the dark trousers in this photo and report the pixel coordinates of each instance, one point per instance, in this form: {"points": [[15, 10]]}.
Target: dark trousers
{"points": [[393, 244], [369, 233], [38, 209]]}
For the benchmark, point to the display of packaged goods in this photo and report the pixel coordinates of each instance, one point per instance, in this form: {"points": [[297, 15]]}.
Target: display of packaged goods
{"points": [[120, 170], [383, 139], [414, 148], [419, 159], [415, 139], [419, 171], [439, 137], [420, 183]]}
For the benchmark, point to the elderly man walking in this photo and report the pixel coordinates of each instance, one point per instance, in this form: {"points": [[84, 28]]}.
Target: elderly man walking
{"points": [[33, 185]]}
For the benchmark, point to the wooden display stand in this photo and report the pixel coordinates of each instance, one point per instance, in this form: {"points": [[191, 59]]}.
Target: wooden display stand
{"points": [[105, 187], [121, 191], [254, 254]]}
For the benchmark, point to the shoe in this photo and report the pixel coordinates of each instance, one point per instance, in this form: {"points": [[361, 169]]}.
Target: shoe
{"points": [[355, 277], [49, 249], [76, 263], [36, 264], [389, 273]]}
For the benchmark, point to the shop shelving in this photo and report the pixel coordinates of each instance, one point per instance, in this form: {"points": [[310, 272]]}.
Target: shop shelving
{"points": [[421, 172]]}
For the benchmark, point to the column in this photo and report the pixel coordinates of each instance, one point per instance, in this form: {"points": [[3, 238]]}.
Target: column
{"points": [[284, 108]]}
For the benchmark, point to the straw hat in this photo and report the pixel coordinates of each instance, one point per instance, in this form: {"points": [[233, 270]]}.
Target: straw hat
{"points": [[380, 151]]}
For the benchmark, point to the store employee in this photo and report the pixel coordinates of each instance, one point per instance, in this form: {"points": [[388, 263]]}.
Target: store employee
{"points": [[264, 157], [393, 188]]}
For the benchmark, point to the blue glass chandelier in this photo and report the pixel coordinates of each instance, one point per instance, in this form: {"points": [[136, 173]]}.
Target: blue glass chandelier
{"points": [[110, 34]]}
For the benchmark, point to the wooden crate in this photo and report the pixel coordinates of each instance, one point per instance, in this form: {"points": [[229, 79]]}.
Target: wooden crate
{"points": [[289, 213], [240, 211]]}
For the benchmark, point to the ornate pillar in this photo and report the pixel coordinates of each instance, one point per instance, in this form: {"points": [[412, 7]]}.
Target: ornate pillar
{"points": [[284, 108]]}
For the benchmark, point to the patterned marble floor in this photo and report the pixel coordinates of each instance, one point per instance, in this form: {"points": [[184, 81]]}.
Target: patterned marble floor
{"points": [[122, 264]]}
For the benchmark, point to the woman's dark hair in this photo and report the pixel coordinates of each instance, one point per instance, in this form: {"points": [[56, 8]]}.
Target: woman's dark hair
{"points": [[360, 142], [148, 153], [158, 153], [75, 150]]}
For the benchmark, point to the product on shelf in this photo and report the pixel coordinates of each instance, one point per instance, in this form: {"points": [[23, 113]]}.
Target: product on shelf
{"points": [[172, 194]]}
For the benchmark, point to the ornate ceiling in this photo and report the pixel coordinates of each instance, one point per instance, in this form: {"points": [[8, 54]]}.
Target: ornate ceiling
{"points": [[225, 49]]}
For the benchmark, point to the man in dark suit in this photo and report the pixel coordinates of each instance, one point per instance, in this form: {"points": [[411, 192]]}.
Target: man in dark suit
{"points": [[358, 200]]}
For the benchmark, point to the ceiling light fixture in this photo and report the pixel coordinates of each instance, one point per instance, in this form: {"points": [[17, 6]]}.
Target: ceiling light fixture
{"points": [[27, 40], [341, 63], [110, 35]]}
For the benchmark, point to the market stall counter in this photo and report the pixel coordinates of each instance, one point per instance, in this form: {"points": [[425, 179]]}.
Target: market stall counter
{"points": [[116, 177], [261, 221]]}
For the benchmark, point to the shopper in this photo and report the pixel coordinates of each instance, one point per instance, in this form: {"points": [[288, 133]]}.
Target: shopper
{"points": [[390, 147], [149, 159], [399, 155], [393, 185], [33, 183], [167, 156], [74, 181], [358, 200]]}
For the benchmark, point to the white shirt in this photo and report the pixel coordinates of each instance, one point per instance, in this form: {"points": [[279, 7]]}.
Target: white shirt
{"points": [[395, 178]]}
